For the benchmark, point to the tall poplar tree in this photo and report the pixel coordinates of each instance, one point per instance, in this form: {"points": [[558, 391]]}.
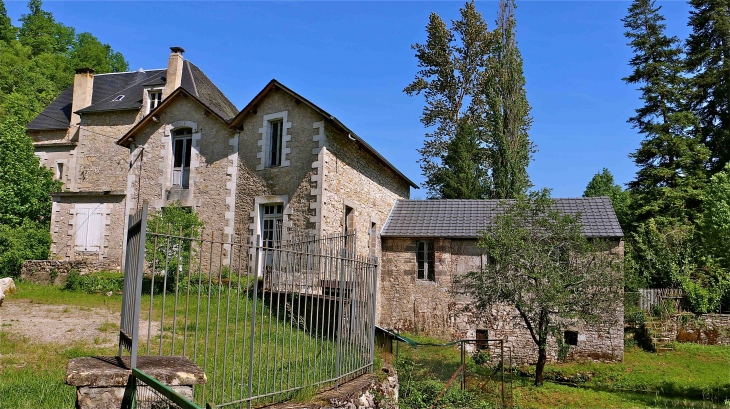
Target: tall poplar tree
{"points": [[507, 118], [463, 175], [452, 62], [671, 160], [708, 60]]}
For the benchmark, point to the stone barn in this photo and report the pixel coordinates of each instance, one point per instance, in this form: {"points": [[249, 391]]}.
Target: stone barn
{"points": [[428, 243]]}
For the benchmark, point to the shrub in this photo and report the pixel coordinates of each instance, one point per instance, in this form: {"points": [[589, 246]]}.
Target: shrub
{"points": [[96, 283], [172, 256], [28, 241]]}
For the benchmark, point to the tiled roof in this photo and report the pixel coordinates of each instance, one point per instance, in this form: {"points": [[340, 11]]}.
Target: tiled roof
{"points": [[108, 87], [466, 218]]}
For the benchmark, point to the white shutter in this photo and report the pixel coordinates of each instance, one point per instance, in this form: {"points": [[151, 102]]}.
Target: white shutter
{"points": [[93, 236], [81, 226], [88, 226]]}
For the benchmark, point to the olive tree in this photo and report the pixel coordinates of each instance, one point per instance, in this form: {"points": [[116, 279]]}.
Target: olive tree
{"points": [[540, 263]]}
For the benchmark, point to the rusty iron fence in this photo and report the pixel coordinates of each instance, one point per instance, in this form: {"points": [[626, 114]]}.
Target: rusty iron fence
{"points": [[265, 320]]}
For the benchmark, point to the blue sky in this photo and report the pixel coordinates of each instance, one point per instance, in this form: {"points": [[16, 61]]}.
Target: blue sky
{"points": [[354, 58]]}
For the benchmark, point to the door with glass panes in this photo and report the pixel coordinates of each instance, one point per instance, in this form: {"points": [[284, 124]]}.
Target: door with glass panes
{"points": [[271, 222]]}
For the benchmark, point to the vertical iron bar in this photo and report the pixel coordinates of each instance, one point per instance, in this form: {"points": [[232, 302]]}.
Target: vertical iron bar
{"points": [[152, 286], [177, 286], [164, 286], [341, 296], [253, 321]]}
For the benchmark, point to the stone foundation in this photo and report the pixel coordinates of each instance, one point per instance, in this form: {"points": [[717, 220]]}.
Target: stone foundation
{"points": [[364, 392], [706, 329], [55, 271], [101, 381]]}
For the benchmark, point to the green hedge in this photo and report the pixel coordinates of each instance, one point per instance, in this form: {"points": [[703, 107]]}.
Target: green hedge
{"points": [[17, 244], [96, 283]]}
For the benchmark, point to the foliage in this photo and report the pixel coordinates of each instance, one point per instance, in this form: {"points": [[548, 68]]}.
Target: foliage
{"points": [[543, 266], [603, 184], [25, 186], [462, 175], [37, 61], [714, 226], [507, 118], [708, 63], [172, 250], [671, 159], [17, 244], [100, 282], [452, 62]]}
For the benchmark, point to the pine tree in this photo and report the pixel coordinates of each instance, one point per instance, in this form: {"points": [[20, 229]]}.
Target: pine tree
{"points": [[708, 60], [507, 117], [603, 184], [671, 160], [463, 175], [452, 63]]}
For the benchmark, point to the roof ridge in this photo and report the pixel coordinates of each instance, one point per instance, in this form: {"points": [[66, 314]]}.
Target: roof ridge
{"points": [[214, 86], [119, 92], [129, 72]]}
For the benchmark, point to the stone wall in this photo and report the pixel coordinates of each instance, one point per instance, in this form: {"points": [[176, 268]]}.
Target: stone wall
{"points": [[64, 229], [56, 271], [706, 329], [364, 392], [406, 303], [354, 177], [292, 182]]}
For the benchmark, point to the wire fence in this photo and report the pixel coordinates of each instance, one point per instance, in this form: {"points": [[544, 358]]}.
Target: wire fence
{"points": [[265, 322]]}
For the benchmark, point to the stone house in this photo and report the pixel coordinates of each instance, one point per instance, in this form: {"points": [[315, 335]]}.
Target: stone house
{"points": [[427, 244], [170, 135]]}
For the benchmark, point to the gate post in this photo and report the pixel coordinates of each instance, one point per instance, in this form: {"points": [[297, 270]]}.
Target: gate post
{"points": [[132, 293]]}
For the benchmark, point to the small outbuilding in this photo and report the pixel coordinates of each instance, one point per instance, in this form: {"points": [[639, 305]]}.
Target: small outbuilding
{"points": [[428, 243]]}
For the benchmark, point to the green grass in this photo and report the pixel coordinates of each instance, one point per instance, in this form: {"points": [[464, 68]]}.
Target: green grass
{"points": [[282, 346], [691, 376]]}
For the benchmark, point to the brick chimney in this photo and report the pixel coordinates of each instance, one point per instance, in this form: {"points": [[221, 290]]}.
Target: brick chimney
{"points": [[174, 71], [83, 89]]}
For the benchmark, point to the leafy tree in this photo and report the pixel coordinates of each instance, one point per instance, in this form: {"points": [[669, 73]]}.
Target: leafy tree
{"points": [[172, 255], [603, 184], [90, 52], [507, 118], [463, 175], [29, 241], [7, 31], [543, 266], [39, 65], [715, 223], [671, 160], [42, 33], [25, 186], [708, 60], [452, 63]]}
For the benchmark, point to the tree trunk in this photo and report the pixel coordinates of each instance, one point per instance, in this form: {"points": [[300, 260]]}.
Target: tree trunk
{"points": [[541, 360]]}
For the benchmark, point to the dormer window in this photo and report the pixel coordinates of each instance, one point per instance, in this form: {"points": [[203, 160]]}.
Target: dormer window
{"points": [[118, 98], [154, 97], [182, 140]]}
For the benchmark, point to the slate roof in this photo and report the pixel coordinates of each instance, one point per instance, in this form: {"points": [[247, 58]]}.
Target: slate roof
{"points": [[466, 218], [131, 84]]}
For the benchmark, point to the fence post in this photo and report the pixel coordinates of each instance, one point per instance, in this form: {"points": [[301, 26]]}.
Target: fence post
{"points": [[341, 294], [253, 320], [373, 303]]}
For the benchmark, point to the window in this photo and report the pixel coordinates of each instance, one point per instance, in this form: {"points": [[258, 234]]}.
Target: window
{"points": [[155, 97], [373, 243], [87, 227], [182, 140], [271, 221], [59, 171], [118, 98], [276, 128], [425, 260], [571, 337], [482, 337]]}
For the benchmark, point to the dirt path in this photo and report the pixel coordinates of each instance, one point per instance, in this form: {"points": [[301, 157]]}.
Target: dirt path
{"points": [[62, 324]]}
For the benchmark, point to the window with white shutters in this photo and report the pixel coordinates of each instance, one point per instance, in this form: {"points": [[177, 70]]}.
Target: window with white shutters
{"points": [[88, 226]]}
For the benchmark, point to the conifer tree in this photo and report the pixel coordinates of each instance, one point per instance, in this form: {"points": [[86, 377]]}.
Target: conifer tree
{"points": [[603, 184], [463, 175], [671, 160], [708, 61], [452, 62], [507, 117]]}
